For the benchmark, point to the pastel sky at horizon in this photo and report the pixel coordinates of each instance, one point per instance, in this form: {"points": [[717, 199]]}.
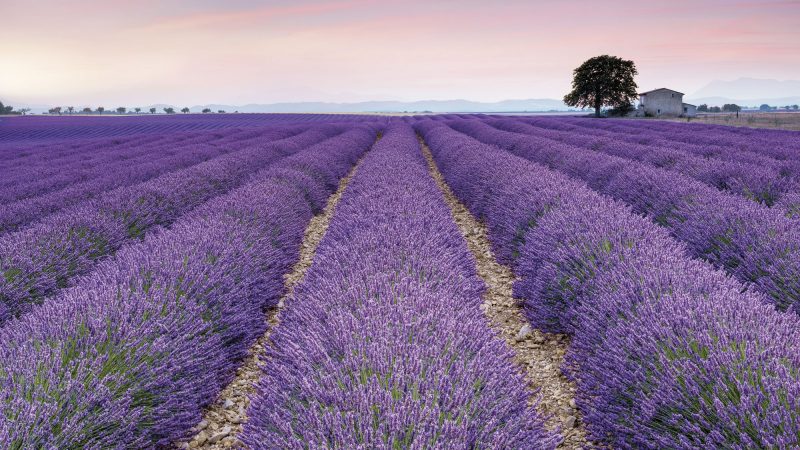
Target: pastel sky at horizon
{"points": [[112, 52]]}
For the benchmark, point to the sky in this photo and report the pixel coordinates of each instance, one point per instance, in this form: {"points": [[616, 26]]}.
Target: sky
{"points": [[114, 52]]}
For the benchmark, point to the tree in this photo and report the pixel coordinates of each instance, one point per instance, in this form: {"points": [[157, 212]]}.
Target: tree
{"points": [[764, 107], [24, 111], [6, 109], [87, 110], [222, 111], [731, 107], [169, 110], [55, 110], [121, 110], [715, 109], [795, 107], [206, 110], [138, 110], [184, 110], [70, 109], [702, 108], [152, 110], [100, 110], [603, 81]]}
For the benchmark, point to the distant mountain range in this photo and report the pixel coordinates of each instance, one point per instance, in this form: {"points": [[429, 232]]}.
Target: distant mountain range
{"points": [[439, 106], [454, 106], [748, 92]]}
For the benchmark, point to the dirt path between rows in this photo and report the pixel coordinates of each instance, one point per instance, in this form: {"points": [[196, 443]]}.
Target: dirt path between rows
{"points": [[223, 421], [538, 354]]}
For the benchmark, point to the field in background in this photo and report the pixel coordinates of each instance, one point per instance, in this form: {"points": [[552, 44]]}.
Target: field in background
{"points": [[777, 120]]}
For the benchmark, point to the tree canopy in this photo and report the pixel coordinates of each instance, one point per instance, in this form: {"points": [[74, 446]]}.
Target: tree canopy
{"points": [[603, 81], [6, 109]]}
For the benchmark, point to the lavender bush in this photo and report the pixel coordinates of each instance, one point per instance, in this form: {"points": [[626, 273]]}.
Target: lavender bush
{"points": [[666, 351], [383, 344], [130, 356], [755, 244], [757, 182], [37, 261]]}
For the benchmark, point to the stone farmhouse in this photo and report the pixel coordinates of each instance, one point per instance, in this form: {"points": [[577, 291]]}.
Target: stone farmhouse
{"points": [[664, 102]]}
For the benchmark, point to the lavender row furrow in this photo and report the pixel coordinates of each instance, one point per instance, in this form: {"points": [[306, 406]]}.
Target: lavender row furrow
{"points": [[76, 185], [41, 259], [651, 138], [130, 356], [26, 154], [756, 182], [57, 130], [32, 180], [383, 345], [108, 151], [755, 244], [18, 214], [777, 144], [99, 176], [667, 352]]}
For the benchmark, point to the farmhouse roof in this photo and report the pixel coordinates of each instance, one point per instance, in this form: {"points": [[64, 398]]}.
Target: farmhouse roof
{"points": [[689, 104], [660, 89]]}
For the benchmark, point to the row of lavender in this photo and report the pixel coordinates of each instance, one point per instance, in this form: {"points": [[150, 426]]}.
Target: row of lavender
{"points": [[49, 173], [38, 260], [130, 355], [773, 147], [101, 176], [781, 144], [667, 352], [773, 179], [765, 181], [383, 344], [33, 129], [755, 244]]}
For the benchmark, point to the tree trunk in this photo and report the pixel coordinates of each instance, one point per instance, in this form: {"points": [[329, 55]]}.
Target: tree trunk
{"points": [[597, 110]]}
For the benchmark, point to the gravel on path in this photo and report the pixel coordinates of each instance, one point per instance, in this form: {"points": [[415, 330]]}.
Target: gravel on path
{"points": [[224, 419], [539, 355]]}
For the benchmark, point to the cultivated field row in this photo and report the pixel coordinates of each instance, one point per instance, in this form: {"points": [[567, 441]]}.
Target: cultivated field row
{"points": [[428, 282]]}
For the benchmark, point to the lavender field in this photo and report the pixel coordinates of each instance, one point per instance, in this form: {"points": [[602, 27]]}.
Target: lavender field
{"points": [[307, 281]]}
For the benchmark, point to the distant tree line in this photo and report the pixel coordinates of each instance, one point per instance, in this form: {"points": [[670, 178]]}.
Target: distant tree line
{"points": [[59, 110], [731, 107], [728, 107], [7, 110]]}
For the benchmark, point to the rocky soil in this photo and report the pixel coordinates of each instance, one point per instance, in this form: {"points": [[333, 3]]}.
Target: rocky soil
{"points": [[223, 421], [539, 355]]}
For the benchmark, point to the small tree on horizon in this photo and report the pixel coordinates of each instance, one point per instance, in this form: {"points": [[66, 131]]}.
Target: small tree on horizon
{"points": [[702, 108], [6, 109], [100, 110], [206, 110], [765, 107], [603, 81], [70, 109], [121, 110], [731, 107], [185, 110], [152, 110], [138, 110], [87, 110], [169, 110]]}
